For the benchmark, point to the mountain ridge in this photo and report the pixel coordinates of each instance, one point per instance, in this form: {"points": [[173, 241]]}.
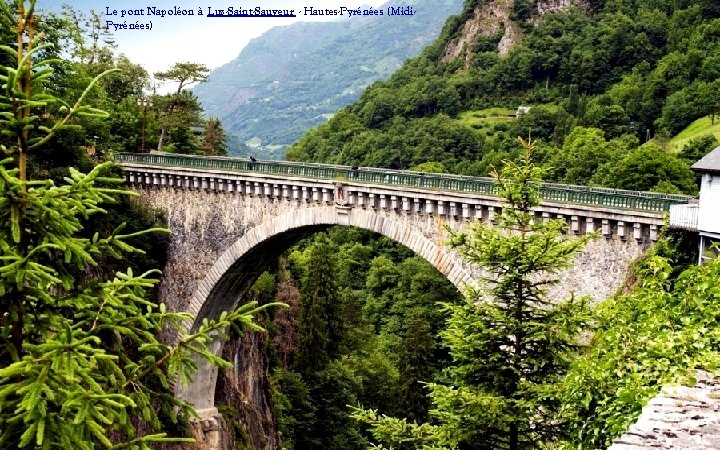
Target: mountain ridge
{"points": [[296, 76]]}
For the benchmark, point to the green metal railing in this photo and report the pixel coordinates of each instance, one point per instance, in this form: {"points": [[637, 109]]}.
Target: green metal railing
{"points": [[560, 193]]}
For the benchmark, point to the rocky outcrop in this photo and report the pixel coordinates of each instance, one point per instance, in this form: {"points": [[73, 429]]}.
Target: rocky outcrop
{"points": [[543, 7], [680, 417], [488, 19], [494, 17], [243, 394], [210, 433]]}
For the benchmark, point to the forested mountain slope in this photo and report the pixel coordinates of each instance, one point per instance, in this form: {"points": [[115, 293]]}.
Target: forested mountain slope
{"points": [[600, 78], [294, 77]]}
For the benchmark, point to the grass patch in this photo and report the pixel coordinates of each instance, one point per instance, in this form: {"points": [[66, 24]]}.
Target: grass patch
{"points": [[483, 121], [699, 128], [485, 118]]}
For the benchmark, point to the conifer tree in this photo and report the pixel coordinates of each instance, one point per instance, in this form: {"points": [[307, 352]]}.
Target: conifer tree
{"points": [[80, 361], [417, 366], [184, 74], [320, 332], [510, 345], [214, 141]]}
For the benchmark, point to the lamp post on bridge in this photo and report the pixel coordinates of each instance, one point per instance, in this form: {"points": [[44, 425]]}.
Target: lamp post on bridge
{"points": [[144, 102]]}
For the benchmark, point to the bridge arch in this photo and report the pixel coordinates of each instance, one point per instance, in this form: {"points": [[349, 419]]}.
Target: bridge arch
{"points": [[239, 266], [231, 276]]}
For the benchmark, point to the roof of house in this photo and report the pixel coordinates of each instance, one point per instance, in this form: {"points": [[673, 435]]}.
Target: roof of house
{"points": [[709, 162]]}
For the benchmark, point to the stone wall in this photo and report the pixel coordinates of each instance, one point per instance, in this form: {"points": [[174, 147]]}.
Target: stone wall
{"points": [[205, 225], [680, 417]]}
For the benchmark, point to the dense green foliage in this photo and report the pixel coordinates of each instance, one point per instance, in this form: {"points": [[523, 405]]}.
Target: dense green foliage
{"points": [[320, 331], [214, 139], [632, 69], [81, 363], [386, 319], [657, 334], [293, 77]]}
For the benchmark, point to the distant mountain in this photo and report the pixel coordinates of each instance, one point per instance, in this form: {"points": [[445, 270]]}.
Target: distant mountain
{"points": [[294, 77]]}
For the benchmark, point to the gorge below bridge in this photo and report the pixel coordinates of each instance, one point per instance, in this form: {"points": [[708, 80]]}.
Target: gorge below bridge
{"points": [[230, 219]]}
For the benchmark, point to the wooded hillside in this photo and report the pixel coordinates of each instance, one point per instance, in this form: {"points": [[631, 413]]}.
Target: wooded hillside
{"points": [[611, 80]]}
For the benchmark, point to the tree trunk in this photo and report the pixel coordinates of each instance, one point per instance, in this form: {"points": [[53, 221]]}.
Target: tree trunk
{"points": [[513, 437], [162, 138], [163, 130], [171, 108]]}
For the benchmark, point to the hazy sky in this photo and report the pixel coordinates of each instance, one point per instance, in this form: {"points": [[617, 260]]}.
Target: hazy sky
{"points": [[201, 39]]}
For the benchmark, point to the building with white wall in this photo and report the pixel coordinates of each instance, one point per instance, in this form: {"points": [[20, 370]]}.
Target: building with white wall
{"points": [[703, 216]]}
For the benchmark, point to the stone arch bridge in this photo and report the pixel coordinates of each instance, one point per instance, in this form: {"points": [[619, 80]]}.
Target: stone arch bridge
{"points": [[231, 218]]}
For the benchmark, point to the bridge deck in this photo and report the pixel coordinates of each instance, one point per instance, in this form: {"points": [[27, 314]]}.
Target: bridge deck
{"points": [[561, 193]]}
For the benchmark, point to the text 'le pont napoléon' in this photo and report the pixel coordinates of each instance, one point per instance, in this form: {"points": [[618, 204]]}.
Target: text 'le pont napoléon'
{"points": [[257, 11]]}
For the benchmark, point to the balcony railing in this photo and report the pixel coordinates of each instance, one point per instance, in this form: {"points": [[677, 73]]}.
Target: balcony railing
{"points": [[684, 216], [560, 193]]}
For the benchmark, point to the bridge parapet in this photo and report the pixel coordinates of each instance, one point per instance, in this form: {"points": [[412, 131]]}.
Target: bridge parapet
{"points": [[562, 193], [322, 187]]}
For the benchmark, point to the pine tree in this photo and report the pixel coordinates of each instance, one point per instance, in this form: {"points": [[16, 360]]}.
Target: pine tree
{"points": [[80, 360], [179, 128], [511, 350], [417, 366], [184, 74], [320, 332], [214, 142], [510, 345]]}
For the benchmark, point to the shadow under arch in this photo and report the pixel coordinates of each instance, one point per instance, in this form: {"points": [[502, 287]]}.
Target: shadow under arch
{"points": [[241, 264]]}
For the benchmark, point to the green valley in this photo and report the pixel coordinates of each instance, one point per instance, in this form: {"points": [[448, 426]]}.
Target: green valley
{"points": [[293, 77]]}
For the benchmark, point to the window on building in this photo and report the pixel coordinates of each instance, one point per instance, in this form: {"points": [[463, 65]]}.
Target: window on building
{"points": [[710, 248]]}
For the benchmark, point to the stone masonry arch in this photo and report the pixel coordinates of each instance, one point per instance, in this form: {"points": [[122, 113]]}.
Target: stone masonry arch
{"points": [[239, 266], [274, 236]]}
